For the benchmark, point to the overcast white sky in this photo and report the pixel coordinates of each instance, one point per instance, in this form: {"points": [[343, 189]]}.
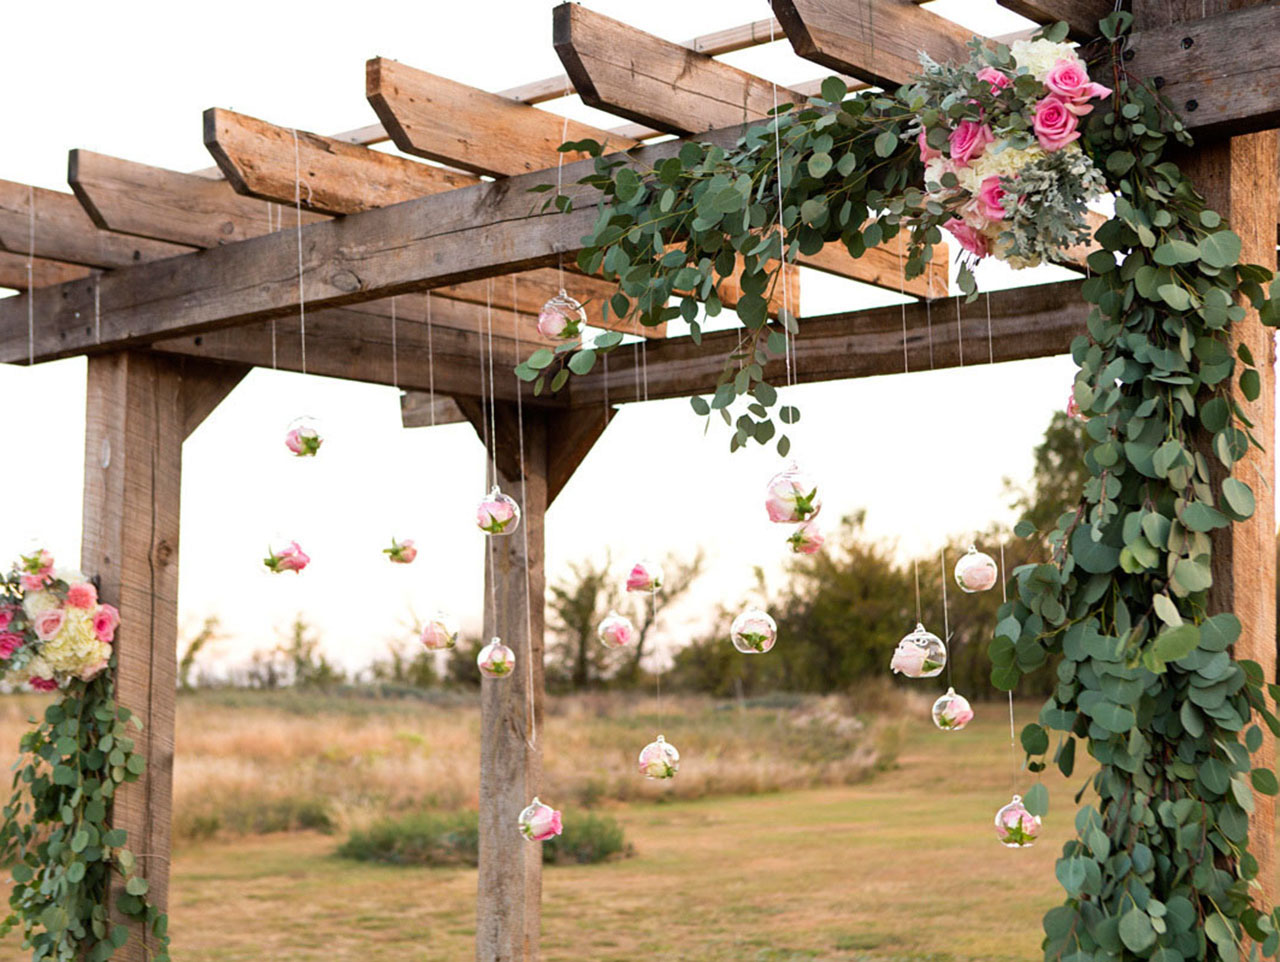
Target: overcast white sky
{"points": [[925, 454]]}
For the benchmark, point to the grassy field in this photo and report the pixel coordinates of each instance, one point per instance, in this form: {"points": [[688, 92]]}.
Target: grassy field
{"points": [[902, 867]]}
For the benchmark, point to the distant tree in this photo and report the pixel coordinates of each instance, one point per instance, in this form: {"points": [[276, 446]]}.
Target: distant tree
{"points": [[679, 576], [1058, 476], [460, 668], [209, 632], [298, 662], [575, 607]]}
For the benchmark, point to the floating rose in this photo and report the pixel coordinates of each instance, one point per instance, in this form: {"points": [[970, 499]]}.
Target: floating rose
{"points": [[807, 538], [290, 557], [921, 654], [616, 631], [496, 660], [303, 438], [35, 570], [792, 497], [1015, 826], [659, 760], [952, 712], [440, 632], [753, 632], [644, 576], [539, 822], [562, 318], [401, 552], [497, 513], [976, 571]]}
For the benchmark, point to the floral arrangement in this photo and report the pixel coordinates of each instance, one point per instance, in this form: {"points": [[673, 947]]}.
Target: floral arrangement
{"points": [[52, 626], [644, 576], [540, 822], [753, 632], [999, 139], [496, 660], [1015, 826], [497, 513], [659, 760], [616, 631], [807, 538], [289, 557], [401, 552], [921, 654]]}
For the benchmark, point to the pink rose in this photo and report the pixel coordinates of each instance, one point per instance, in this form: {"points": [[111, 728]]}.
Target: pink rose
{"points": [[969, 140], [1069, 80], [540, 822], [970, 239], [1073, 409], [990, 197], [927, 153], [616, 631], [401, 552], [6, 616], [807, 539], [496, 513], [289, 558], [304, 442], [1054, 124], [43, 684], [90, 672], [959, 714], [644, 576], [552, 324], [9, 643], [35, 570], [997, 79], [439, 633], [791, 498], [908, 659], [48, 623], [82, 595], [105, 621]]}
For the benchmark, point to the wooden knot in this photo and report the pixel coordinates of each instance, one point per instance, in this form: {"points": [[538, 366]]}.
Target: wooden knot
{"points": [[227, 227], [345, 281], [163, 553]]}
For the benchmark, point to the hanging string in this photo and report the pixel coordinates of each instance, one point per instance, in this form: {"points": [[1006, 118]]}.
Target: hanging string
{"points": [[657, 672], [782, 232], [991, 348], [271, 229], [919, 619], [902, 288], [31, 266], [493, 397], [484, 399], [928, 320], [564, 136], [395, 365], [491, 441], [532, 740], [946, 616], [959, 332], [1013, 736], [605, 359], [431, 365], [297, 203]]}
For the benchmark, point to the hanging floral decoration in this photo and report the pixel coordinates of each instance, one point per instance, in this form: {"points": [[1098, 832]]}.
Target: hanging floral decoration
{"points": [[497, 513], [440, 632], [792, 497], [539, 822], [753, 632], [288, 557], [952, 712], [303, 438], [807, 538], [659, 760], [976, 571], [401, 552], [1015, 826], [644, 576], [920, 654], [496, 660], [562, 318], [616, 631]]}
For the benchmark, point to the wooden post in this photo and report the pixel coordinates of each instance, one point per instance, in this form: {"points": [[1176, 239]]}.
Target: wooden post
{"points": [[140, 408], [1238, 178]]}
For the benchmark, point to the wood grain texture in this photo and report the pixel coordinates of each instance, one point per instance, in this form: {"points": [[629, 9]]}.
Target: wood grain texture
{"points": [[570, 437], [419, 409], [63, 231], [13, 271], [875, 40], [1026, 322], [1081, 16], [450, 122], [259, 160]]}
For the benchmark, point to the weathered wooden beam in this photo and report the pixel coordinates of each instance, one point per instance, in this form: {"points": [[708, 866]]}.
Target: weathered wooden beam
{"points": [[420, 409], [455, 124], [570, 437], [265, 161], [13, 271], [1081, 16], [1025, 322], [878, 41], [62, 231]]}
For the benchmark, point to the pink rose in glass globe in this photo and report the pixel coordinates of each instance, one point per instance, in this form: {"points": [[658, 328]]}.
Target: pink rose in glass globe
{"points": [[401, 552], [496, 660], [807, 538], [952, 712], [616, 631], [35, 570], [303, 438], [753, 632], [440, 632], [976, 571], [539, 822], [1015, 826], [562, 318], [497, 513], [792, 497], [289, 557], [921, 654], [659, 760], [644, 576]]}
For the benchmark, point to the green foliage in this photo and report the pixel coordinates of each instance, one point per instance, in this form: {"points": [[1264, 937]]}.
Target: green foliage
{"points": [[56, 833]]}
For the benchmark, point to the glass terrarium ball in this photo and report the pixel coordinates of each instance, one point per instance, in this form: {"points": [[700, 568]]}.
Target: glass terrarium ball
{"points": [[952, 712], [644, 576], [303, 438], [920, 654], [616, 631], [497, 513], [1015, 826], [562, 318], [976, 571], [440, 632], [792, 496], [496, 660], [539, 821], [753, 632], [659, 760]]}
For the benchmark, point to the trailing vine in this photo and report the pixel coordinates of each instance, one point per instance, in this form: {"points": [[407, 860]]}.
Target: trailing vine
{"points": [[1161, 867]]}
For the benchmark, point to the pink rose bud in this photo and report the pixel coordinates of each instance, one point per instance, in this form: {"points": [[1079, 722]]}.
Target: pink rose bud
{"points": [[792, 497], [807, 539], [1055, 125], [990, 198], [401, 552], [753, 632], [497, 513], [976, 571], [644, 576], [927, 153], [969, 140], [289, 558], [952, 712], [9, 643], [540, 822], [82, 594], [659, 760], [91, 671], [105, 621], [303, 441], [43, 684], [996, 78], [616, 631], [440, 633], [34, 570], [974, 241], [496, 660], [561, 318], [47, 624], [6, 616], [1015, 826], [1069, 80]]}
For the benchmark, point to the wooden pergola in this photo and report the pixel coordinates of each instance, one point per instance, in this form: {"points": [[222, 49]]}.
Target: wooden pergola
{"points": [[175, 285]]}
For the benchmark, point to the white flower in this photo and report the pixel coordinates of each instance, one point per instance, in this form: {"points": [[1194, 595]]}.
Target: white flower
{"points": [[1037, 57], [36, 602]]}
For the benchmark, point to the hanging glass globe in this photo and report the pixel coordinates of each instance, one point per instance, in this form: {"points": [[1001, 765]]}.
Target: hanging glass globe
{"points": [[753, 632], [539, 822], [644, 576], [303, 438], [496, 660], [952, 712], [976, 571], [616, 631], [440, 632], [920, 654], [562, 318], [1015, 826], [497, 513], [792, 496], [659, 760]]}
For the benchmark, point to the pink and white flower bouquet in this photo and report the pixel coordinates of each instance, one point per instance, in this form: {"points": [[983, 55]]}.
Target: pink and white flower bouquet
{"points": [[53, 628]]}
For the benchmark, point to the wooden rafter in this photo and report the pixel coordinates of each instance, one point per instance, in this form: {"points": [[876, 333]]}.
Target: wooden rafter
{"points": [[420, 409], [13, 271], [1081, 16]]}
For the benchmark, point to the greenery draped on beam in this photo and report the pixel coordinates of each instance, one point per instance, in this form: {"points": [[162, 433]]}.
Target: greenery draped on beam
{"points": [[1161, 867]]}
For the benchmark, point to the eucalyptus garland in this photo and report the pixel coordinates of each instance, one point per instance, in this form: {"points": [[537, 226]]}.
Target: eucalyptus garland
{"points": [[62, 853], [1161, 867]]}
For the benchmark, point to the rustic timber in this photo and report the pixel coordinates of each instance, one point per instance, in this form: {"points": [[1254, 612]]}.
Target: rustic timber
{"points": [[1081, 16], [419, 409], [455, 124], [1026, 322], [13, 271], [570, 436]]}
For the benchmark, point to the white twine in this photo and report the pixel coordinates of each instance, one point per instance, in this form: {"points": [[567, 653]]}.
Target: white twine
{"points": [[297, 203], [946, 616], [1013, 736], [787, 347], [395, 366], [532, 740], [431, 365], [31, 290]]}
